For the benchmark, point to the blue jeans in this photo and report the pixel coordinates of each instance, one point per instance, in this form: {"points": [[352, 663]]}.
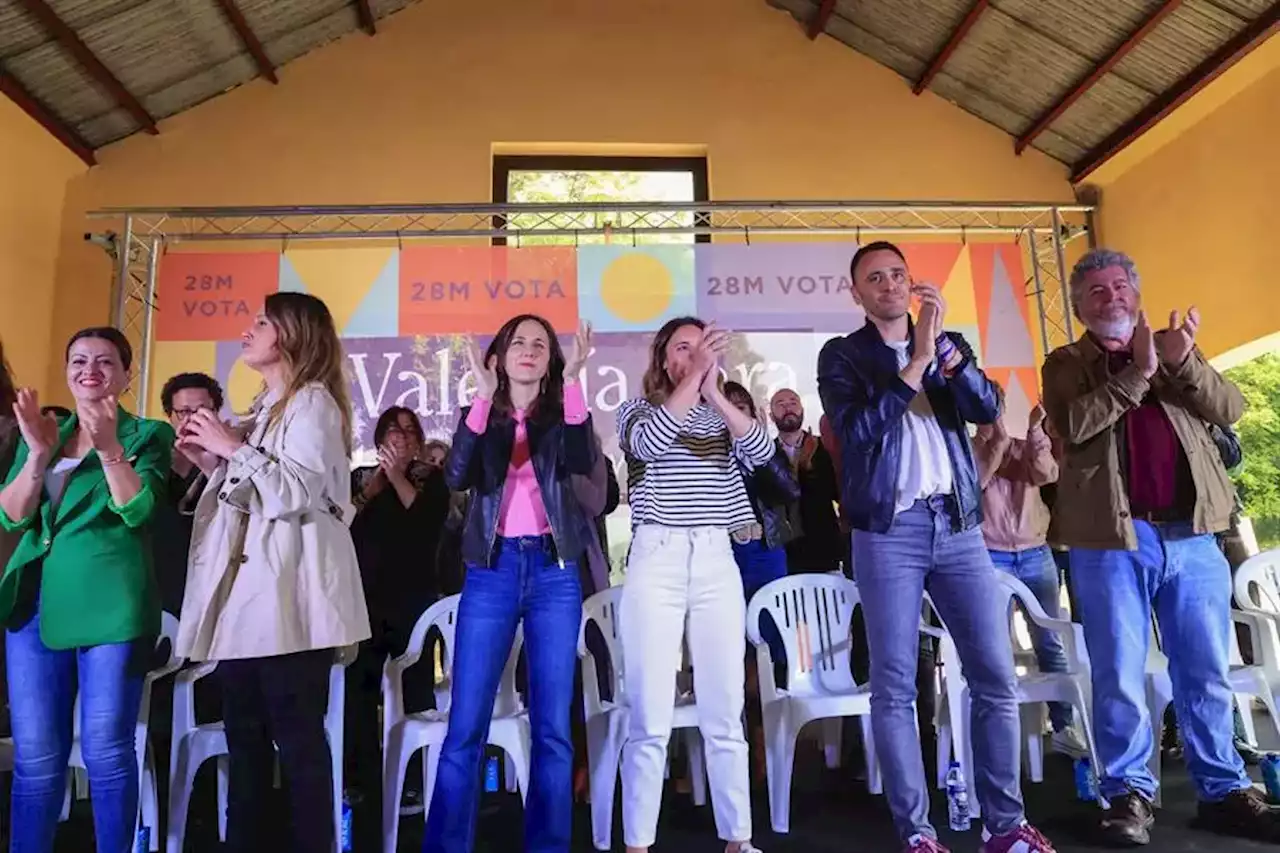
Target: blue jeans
{"points": [[1188, 582], [921, 550], [525, 582], [42, 693], [761, 565], [1035, 568]]}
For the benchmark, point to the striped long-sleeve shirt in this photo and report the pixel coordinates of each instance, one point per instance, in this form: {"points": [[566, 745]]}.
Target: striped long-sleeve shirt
{"points": [[691, 474]]}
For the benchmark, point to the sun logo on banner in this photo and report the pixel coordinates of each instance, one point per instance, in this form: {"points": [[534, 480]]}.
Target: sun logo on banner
{"points": [[634, 288]]}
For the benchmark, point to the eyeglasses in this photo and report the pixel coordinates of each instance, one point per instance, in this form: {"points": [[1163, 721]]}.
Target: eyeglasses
{"points": [[183, 414]]}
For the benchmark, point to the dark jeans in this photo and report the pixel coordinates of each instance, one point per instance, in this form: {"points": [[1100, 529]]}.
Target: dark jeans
{"points": [[525, 582], [279, 699]]}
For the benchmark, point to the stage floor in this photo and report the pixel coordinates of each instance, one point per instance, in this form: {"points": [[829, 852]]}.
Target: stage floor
{"points": [[831, 813]]}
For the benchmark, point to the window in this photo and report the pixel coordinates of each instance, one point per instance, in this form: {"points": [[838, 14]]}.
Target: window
{"points": [[564, 180]]}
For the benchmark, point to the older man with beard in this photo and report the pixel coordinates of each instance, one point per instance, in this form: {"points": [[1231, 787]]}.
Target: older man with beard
{"points": [[817, 544], [1141, 493]]}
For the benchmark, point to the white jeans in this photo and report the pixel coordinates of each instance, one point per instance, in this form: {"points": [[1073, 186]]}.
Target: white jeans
{"points": [[673, 573]]}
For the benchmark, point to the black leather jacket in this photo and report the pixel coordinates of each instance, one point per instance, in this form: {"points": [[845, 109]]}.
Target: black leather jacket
{"points": [[771, 490], [865, 399], [480, 463]]}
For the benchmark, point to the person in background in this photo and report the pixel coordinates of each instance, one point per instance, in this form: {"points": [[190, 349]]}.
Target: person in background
{"points": [[273, 587], [516, 449], [78, 593], [401, 504], [899, 393], [817, 543], [1015, 523], [181, 398], [434, 452], [761, 556], [1141, 493], [691, 506]]}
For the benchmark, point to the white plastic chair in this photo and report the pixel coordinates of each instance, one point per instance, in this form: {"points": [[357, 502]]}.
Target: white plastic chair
{"points": [[191, 745], [403, 733], [812, 613], [148, 805], [607, 719]]}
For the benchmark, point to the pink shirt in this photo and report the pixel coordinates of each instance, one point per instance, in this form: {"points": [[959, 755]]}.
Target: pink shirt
{"points": [[1014, 517], [522, 512]]}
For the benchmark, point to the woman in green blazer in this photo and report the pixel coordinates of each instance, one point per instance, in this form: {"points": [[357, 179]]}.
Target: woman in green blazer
{"points": [[78, 596]]}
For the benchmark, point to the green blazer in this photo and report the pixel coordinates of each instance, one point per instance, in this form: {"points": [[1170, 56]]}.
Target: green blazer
{"points": [[97, 585]]}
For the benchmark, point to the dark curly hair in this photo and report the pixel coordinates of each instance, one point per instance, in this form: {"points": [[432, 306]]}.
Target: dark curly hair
{"points": [[186, 381]]}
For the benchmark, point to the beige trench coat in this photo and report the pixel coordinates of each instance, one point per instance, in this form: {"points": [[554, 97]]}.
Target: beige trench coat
{"points": [[273, 570]]}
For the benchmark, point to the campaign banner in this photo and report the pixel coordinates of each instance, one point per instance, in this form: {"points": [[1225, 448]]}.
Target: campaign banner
{"points": [[404, 314]]}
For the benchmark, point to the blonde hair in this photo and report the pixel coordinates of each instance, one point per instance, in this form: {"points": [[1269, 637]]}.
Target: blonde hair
{"points": [[307, 340]]}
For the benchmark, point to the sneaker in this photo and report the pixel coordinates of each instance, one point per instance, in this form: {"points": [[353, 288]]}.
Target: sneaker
{"points": [[924, 844], [1068, 742], [411, 803], [1025, 839], [748, 847], [1243, 814]]}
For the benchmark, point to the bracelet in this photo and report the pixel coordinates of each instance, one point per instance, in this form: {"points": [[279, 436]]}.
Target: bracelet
{"points": [[107, 462]]}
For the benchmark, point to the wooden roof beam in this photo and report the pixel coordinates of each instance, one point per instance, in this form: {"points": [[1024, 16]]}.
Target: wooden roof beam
{"points": [[250, 40], [368, 23], [975, 12], [818, 23], [58, 30], [1090, 80], [1235, 49], [43, 116]]}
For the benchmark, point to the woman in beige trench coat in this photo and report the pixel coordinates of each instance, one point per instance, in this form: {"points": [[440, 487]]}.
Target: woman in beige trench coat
{"points": [[273, 586]]}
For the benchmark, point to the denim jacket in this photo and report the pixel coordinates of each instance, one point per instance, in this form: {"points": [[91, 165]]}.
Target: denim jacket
{"points": [[479, 462], [865, 400]]}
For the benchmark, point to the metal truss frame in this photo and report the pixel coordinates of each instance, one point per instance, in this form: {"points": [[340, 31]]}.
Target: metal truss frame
{"points": [[1043, 229]]}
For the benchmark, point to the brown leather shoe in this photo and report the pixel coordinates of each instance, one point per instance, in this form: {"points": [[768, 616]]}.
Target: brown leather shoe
{"points": [[1243, 814], [1128, 822]]}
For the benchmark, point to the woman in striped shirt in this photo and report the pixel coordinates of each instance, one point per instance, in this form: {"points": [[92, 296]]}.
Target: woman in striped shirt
{"points": [[690, 499]]}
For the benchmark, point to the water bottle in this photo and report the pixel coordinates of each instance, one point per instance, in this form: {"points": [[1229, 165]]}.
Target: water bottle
{"points": [[491, 774], [345, 842], [1271, 776], [1086, 781], [957, 799], [142, 841]]}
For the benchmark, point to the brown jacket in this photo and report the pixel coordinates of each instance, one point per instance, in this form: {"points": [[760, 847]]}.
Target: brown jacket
{"points": [[1086, 407]]}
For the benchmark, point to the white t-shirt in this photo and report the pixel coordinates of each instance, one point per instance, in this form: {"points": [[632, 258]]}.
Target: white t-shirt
{"points": [[56, 476], [924, 469]]}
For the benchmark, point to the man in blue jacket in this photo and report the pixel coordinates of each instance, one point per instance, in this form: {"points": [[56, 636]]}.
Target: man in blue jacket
{"points": [[898, 394]]}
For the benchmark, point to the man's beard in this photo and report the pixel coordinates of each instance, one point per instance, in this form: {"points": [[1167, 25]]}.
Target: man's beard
{"points": [[1117, 329], [790, 423]]}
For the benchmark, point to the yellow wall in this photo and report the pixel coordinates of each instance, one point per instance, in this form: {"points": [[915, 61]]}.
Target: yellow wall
{"points": [[415, 114], [34, 169], [1197, 205]]}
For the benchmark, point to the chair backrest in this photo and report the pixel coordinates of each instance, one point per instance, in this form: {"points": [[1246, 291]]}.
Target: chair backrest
{"points": [[443, 616], [602, 609], [813, 613], [1256, 585]]}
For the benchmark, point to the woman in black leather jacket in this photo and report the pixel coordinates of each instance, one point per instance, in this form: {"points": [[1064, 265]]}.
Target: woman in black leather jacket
{"points": [[516, 449], [763, 559]]}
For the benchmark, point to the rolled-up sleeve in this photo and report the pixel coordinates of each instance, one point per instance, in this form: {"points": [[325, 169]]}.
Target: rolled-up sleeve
{"points": [[151, 463], [753, 447], [292, 483]]}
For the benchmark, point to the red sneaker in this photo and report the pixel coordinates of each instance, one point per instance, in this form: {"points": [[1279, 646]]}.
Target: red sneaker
{"points": [[1025, 839], [924, 844]]}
